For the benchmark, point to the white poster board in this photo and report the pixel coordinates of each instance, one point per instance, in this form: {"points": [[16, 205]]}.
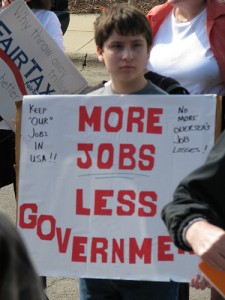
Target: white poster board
{"points": [[94, 174], [30, 61]]}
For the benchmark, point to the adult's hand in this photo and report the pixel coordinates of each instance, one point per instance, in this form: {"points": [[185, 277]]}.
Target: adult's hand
{"points": [[5, 3], [208, 242]]}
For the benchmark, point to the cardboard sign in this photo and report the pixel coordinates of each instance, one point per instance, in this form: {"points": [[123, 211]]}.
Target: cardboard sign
{"points": [[94, 174], [30, 61], [215, 277]]}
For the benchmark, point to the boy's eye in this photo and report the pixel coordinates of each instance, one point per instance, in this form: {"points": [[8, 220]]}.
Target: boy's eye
{"points": [[116, 46], [136, 45]]}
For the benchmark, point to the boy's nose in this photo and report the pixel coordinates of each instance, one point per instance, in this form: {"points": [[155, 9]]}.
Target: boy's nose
{"points": [[127, 53]]}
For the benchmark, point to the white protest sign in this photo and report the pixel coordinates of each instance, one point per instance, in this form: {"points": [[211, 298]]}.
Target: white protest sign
{"points": [[94, 174], [30, 61]]}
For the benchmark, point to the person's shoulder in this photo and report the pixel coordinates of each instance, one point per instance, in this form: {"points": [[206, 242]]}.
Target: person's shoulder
{"points": [[100, 91], [216, 10], [88, 89], [153, 89], [157, 90], [215, 7], [168, 84], [104, 89], [159, 8], [44, 14], [49, 20]]}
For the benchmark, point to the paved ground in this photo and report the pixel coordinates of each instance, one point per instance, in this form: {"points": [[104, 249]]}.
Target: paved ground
{"points": [[78, 42], [79, 35]]}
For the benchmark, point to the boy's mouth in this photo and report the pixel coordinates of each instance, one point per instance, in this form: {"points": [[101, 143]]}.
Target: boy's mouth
{"points": [[127, 67]]}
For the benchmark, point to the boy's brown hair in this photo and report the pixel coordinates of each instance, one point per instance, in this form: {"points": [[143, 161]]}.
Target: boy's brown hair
{"points": [[125, 20]]}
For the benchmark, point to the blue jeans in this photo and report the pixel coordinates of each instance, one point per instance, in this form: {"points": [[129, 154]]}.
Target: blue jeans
{"points": [[107, 289]]}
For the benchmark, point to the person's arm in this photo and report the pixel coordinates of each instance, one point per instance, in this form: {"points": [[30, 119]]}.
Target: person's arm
{"points": [[199, 196], [208, 242], [53, 27], [168, 84]]}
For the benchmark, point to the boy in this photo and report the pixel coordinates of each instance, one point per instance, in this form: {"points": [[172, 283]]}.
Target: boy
{"points": [[123, 41], [123, 38]]}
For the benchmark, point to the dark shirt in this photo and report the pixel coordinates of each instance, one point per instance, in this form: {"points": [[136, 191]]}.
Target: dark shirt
{"points": [[200, 194]]}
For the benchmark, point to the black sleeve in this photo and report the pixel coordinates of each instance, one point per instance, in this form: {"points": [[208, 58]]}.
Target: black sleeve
{"points": [[200, 194], [168, 84]]}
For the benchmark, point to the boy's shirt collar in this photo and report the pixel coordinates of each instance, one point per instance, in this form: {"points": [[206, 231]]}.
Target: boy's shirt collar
{"points": [[149, 89]]}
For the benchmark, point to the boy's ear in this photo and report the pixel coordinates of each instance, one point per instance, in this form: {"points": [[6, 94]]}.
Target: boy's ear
{"points": [[100, 54]]}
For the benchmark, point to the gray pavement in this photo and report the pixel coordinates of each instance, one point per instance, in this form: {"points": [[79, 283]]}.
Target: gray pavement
{"points": [[79, 37], [78, 41]]}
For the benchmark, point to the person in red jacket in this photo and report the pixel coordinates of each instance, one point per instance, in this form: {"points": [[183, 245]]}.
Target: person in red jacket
{"points": [[189, 44]]}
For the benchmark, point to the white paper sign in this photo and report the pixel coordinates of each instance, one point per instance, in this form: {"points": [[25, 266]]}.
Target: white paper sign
{"points": [[95, 172], [30, 61]]}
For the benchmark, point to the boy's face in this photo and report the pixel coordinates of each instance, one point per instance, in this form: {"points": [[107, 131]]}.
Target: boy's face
{"points": [[125, 57]]}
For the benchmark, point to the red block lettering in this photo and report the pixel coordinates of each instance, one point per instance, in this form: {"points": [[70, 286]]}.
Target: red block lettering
{"points": [[117, 250], [126, 157], [148, 160], [179, 251], [63, 242], [52, 224], [135, 116], [153, 119], [31, 219], [78, 249], [86, 148], [151, 207], [99, 247], [93, 120], [80, 209], [113, 119], [144, 252], [101, 202], [108, 163], [128, 207], [115, 111], [164, 245]]}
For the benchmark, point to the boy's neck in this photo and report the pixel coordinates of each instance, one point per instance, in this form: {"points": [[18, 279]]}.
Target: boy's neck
{"points": [[131, 87]]}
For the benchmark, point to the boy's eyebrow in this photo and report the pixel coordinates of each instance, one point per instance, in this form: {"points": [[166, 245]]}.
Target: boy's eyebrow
{"points": [[139, 39]]}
